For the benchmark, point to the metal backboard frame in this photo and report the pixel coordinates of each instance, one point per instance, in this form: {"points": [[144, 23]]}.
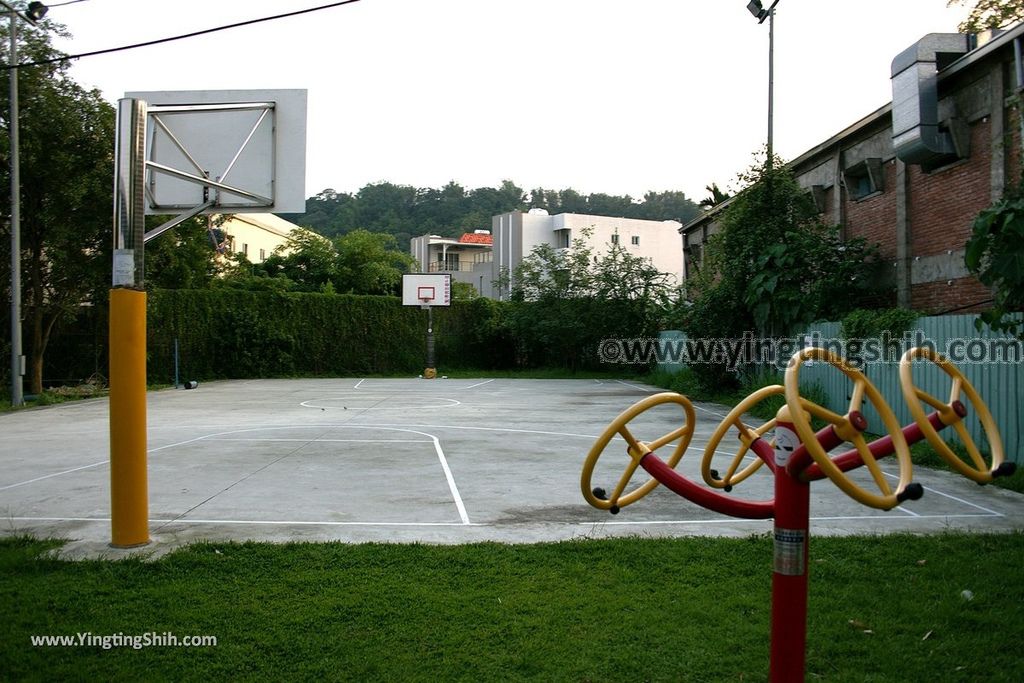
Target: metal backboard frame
{"points": [[224, 151]]}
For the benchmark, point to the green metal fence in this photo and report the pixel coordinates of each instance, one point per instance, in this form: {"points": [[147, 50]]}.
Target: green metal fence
{"points": [[990, 361], [999, 382]]}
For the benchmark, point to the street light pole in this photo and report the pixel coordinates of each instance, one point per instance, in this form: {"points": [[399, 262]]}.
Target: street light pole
{"points": [[17, 371], [760, 13], [36, 11], [771, 79]]}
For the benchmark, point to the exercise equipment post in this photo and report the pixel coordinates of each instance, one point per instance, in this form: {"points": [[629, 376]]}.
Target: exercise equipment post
{"points": [[797, 456]]}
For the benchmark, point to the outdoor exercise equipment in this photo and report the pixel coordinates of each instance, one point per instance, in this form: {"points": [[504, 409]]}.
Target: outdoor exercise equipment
{"points": [[797, 456]]}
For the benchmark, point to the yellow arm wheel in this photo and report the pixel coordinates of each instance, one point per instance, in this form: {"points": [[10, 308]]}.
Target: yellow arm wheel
{"points": [[977, 469], [746, 437], [887, 498], [617, 497]]}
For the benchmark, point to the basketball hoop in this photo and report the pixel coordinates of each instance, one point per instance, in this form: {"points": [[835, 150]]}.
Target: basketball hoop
{"points": [[425, 301]]}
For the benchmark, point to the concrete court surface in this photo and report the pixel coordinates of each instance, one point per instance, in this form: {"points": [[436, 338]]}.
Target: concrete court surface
{"points": [[404, 460]]}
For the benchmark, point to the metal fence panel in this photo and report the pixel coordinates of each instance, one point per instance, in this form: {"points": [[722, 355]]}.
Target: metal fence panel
{"points": [[1000, 384]]}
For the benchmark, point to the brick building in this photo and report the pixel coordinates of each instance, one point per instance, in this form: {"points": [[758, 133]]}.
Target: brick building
{"points": [[912, 175]]}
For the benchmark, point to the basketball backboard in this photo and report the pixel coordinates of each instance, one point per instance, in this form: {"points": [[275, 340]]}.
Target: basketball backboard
{"points": [[427, 289], [237, 150]]}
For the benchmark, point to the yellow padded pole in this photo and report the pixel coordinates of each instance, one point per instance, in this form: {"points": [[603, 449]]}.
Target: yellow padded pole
{"points": [[129, 493]]}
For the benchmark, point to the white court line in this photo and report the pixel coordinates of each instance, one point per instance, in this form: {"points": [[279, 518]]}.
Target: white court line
{"points": [[633, 386], [733, 520], [951, 497], [185, 520], [460, 506], [650, 522], [451, 480], [55, 474], [358, 383], [485, 429], [103, 462], [695, 406], [381, 398], [479, 384], [333, 440]]}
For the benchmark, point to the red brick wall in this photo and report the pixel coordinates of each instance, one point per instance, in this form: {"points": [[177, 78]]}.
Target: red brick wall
{"points": [[962, 296], [943, 204], [874, 218]]}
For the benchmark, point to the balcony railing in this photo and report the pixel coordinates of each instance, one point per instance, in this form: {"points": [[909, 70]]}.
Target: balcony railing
{"points": [[454, 267]]}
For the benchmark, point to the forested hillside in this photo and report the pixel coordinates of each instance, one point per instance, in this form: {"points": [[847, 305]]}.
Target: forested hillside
{"points": [[405, 211]]}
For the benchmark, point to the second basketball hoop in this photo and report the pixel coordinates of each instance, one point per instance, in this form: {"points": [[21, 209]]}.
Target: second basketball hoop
{"points": [[427, 290]]}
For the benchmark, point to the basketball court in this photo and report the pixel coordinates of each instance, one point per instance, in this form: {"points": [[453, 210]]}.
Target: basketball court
{"points": [[404, 460], [361, 459]]}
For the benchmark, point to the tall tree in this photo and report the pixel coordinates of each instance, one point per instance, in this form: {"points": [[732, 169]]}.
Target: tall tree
{"points": [[990, 14], [565, 301], [182, 258], [773, 266], [66, 151], [715, 196]]}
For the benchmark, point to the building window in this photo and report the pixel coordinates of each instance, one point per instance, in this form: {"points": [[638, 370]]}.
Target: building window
{"points": [[615, 238], [865, 178], [635, 240], [452, 262], [263, 254], [245, 248]]}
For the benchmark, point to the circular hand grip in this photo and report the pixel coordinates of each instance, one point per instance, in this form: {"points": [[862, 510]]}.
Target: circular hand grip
{"points": [[747, 437], [846, 427], [948, 413], [636, 450]]}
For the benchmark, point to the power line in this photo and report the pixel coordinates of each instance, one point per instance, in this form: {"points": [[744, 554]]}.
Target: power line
{"points": [[179, 37]]}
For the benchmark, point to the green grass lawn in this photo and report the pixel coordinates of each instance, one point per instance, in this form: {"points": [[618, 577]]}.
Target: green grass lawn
{"points": [[881, 609]]}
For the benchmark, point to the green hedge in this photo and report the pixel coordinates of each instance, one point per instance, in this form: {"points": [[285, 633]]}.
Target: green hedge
{"points": [[238, 334], [234, 334]]}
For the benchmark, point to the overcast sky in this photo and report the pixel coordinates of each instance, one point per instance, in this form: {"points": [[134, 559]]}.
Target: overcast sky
{"points": [[614, 96]]}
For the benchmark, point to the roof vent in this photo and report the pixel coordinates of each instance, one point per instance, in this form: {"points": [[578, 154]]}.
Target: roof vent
{"points": [[916, 136], [538, 212]]}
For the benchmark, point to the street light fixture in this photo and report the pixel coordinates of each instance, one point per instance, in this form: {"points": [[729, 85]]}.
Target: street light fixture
{"points": [[760, 13], [34, 12]]}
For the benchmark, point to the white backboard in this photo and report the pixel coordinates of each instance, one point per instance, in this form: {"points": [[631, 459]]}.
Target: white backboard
{"points": [[427, 289], [249, 141]]}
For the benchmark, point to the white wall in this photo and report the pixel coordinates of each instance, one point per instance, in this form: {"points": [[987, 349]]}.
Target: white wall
{"points": [[517, 233]]}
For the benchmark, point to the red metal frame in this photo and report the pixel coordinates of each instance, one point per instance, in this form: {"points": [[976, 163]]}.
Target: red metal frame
{"points": [[791, 509]]}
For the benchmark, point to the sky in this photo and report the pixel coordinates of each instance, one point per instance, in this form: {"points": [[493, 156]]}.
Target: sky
{"points": [[612, 96]]}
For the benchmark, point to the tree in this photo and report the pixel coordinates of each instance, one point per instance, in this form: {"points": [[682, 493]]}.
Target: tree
{"points": [[990, 14], [307, 260], [182, 258], [564, 302], [774, 266], [370, 263], [995, 255], [715, 196], [665, 206], [360, 262], [66, 151]]}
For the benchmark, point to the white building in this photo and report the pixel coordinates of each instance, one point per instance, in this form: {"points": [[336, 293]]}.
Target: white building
{"points": [[256, 235], [516, 234], [467, 258]]}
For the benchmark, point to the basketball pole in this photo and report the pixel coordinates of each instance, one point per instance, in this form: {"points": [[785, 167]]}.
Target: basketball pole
{"points": [[129, 493], [431, 370]]}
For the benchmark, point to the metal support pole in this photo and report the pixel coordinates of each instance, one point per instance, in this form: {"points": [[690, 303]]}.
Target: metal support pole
{"points": [[431, 371], [771, 82], [17, 361], [129, 498], [789, 576]]}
